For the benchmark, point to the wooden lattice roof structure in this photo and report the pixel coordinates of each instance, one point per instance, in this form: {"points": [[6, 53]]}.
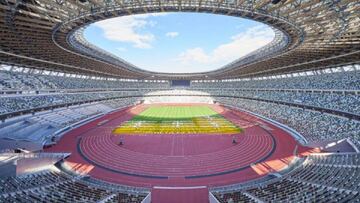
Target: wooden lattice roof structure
{"points": [[309, 34]]}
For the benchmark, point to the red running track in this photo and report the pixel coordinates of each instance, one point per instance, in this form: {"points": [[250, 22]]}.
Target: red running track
{"points": [[178, 160]]}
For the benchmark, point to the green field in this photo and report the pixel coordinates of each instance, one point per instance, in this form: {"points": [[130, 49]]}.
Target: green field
{"points": [[171, 113], [177, 120]]}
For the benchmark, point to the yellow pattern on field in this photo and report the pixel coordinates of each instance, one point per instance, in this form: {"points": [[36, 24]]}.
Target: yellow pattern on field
{"points": [[203, 123]]}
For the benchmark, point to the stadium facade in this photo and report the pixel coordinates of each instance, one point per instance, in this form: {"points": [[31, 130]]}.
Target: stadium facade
{"points": [[79, 124]]}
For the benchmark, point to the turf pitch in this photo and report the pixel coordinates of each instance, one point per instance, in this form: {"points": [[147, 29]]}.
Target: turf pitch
{"points": [[177, 120]]}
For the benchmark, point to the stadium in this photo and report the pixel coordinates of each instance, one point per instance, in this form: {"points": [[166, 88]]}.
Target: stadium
{"points": [[80, 123]]}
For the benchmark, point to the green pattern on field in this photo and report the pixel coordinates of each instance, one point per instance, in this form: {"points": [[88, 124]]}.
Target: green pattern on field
{"points": [[170, 113]]}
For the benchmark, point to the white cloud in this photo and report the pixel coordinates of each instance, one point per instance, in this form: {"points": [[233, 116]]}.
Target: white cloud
{"points": [[128, 29], [172, 34], [122, 49], [194, 55], [240, 45]]}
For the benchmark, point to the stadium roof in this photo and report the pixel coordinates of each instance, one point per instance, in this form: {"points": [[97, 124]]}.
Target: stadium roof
{"points": [[309, 34]]}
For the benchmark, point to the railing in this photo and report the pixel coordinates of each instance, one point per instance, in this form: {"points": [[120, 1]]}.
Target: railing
{"points": [[212, 198], [147, 199], [339, 91], [115, 187], [38, 155], [78, 90], [52, 91]]}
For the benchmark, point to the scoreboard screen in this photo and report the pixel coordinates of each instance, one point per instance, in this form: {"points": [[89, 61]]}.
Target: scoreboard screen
{"points": [[180, 83]]}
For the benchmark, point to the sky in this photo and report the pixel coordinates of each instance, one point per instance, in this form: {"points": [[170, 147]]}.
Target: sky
{"points": [[179, 42]]}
